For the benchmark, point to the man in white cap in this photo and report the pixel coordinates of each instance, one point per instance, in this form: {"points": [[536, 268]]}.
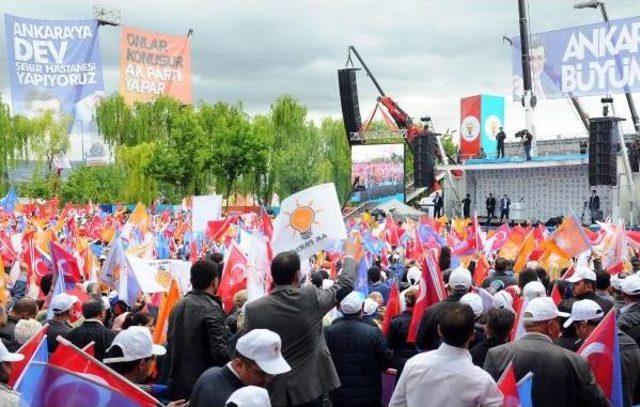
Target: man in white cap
{"points": [[629, 319], [459, 284], [61, 306], [360, 353], [446, 376], [257, 359], [475, 302], [249, 396], [583, 287], [562, 378], [8, 397], [585, 316], [533, 289]]}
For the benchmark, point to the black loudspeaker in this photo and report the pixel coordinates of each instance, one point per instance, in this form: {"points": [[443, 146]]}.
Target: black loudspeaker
{"points": [[349, 101], [603, 147], [425, 148]]}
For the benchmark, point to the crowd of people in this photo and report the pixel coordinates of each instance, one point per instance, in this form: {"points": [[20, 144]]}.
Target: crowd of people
{"points": [[403, 313]]}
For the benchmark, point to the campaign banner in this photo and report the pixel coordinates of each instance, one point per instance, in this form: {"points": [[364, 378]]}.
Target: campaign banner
{"points": [[594, 59], [491, 119], [377, 171], [470, 126], [153, 64], [54, 65]]}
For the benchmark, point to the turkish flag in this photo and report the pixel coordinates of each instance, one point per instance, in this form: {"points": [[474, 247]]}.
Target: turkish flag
{"points": [[509, 387], [28, 349], [6, 248], [65, 262], [431, 291], [234, 277], [393, 308], [391, 233]]}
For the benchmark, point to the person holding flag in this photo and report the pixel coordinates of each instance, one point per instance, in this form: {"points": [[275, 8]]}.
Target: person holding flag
{"points": [[586, 315], [562, 378]]}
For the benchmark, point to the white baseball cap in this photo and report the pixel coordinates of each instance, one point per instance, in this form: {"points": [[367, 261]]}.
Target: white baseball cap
{"points": [[370, 306], [6, 356], [631, 285], [135, 343], [352, 303], [263, 347], [414, 275], [584, 310], [502, 299], [542, 309], [460, 279], [62, 303], [249, 396], [616, 282], [474, 301], [582, 273], [534, 289]]}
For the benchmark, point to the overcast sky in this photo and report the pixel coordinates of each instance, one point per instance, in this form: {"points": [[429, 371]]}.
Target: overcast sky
{"points": [[427, 54]]}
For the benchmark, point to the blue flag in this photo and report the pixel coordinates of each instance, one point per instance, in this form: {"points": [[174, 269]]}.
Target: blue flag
{"points": [[362, 280], [162, 246], [371, 244], [524, 390], [8, 203]]}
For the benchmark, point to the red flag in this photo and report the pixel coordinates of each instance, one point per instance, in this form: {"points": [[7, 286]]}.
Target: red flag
{"points": [[6, 248], [27, 349], [555, 294], [482, 270], [65, 262], [391, 232], [89, 349], [32, 257], [509, 387], [601, 351], [393, 309], [68, 356], [431, 291], [193, 251], [233, 277]]}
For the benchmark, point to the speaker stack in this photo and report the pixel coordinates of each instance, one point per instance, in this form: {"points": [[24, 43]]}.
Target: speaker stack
{"points": [[603, 147], [349, 101], [425, 148]]}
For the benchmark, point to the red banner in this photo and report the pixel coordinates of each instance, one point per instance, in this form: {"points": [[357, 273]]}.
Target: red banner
{"points": [[470, 126]]}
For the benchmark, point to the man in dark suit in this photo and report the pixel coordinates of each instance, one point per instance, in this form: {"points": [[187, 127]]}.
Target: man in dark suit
{"points": [[295, 313], [594, 206], [491, 206], [93, 329], [505, 203], [197, 335], [257, 359], [61, 305], [466, 206], [561, 378], [500, 137], [438, 204]]}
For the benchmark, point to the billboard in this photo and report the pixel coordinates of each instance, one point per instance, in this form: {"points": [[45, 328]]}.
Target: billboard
{"points": [[54, 65], [593, 59], [491, 119], [377, 171], [470, 126], [153, 64]]}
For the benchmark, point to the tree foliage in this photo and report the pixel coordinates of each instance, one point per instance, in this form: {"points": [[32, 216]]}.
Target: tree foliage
{"points": [[97, 184]]}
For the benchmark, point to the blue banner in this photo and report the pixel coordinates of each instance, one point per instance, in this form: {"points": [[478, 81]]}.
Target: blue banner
{"points": [[492, 119], [54, 65], [594, 59]]}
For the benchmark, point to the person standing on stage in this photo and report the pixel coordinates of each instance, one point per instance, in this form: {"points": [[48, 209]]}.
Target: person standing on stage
{"points": [[500, 137], [438, 203], [527, 139], [594, 206], [466, 206], [505, 203], [491, 206]]}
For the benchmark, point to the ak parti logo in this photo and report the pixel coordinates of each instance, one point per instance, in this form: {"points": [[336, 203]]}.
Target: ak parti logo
{"points": [[302, 218]]}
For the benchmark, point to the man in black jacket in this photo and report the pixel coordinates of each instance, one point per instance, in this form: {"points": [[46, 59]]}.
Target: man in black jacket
{"points": [[584, 287], [359, 351], [197, 334], [93, 329], [491, 206], [458, 285], [498, 328], [629, 319], [502, 275], [438, 204], [466, 206], [61, 306], [500, 137], [257, 359], [594, 206]]}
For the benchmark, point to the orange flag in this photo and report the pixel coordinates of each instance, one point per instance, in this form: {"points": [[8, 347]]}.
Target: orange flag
{"points": [[511, 248], [166, 305], [482, 270], [525, 250], [570, 237]]}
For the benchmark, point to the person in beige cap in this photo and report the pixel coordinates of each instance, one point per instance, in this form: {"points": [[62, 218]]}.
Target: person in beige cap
{"points": [[8, 397], [256, 361], [249, 396], [562, 378]]}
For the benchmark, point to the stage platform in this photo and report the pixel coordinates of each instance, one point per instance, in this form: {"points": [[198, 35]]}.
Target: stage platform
{"points": [[546, 187]]}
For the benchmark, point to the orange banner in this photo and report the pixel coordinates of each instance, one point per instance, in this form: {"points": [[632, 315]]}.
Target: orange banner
{"points": [[153, 64]]}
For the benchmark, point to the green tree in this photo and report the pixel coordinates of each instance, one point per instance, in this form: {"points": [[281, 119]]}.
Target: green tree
{"points": [[49, 137], [138, 186], [97, 184], [15, 133]]}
